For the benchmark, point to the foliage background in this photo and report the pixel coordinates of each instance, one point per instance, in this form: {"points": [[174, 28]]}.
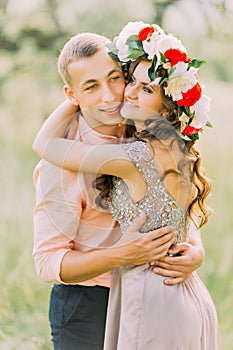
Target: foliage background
{"points": [[31, 34]]}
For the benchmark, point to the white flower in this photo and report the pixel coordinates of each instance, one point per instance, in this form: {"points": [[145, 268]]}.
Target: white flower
{"points": [[149, 46], [155, 82], [202, 111], [181, 80], [132, 28], [167, 65], [184, 119], [167, 42]]}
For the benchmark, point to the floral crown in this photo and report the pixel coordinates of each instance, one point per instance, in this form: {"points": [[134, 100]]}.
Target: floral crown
{"points": [[171, 68]]}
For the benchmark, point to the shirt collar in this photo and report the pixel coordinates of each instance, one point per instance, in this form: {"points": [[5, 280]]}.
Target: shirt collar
{"points": [[87, 134]]}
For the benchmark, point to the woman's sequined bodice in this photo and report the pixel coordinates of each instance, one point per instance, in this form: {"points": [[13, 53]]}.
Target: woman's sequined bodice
{"points": [[160, 208]]}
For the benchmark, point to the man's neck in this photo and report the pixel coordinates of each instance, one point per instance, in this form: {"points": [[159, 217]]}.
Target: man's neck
{"points": [[110, 130]]}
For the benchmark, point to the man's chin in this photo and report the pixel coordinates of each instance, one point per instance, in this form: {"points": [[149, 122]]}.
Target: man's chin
{"points": [[115, 121]]}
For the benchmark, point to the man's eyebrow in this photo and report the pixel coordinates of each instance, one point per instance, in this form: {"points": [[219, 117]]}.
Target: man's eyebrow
{"points": [[89, 81], [115, 70]]}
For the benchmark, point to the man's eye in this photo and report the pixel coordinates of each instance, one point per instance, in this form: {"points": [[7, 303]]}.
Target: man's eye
{"points": [[91, 87], [116, 77]]}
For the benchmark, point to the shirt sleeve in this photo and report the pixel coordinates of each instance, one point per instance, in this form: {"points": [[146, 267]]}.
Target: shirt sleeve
{"points": [[56, 218]]}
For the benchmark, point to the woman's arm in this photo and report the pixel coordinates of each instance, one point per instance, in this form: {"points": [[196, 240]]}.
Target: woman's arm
{"points": [[75, 155], [78, 156], [55, 125], [80, 266], [104, 159]]}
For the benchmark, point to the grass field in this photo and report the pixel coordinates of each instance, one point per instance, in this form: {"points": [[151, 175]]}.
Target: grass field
{"points": [[23, 297]]}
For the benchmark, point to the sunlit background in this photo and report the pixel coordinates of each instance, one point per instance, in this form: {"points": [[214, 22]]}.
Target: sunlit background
{"points": [[31, 34]]}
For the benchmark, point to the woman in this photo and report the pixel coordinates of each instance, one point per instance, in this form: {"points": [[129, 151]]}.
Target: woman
{"points": [[156, 171]]}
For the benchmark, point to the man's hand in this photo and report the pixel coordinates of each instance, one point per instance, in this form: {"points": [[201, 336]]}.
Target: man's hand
{"points": [[178, 268]]}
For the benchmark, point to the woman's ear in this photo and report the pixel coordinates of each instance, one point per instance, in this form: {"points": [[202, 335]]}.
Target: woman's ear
{"points": [[70, 94], [165, 113]]}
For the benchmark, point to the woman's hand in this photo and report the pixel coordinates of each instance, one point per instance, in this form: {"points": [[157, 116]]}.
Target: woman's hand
{"points": [[178, 268]]}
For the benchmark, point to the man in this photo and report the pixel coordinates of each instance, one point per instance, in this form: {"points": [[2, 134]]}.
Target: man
{"points": [[73, 235]]}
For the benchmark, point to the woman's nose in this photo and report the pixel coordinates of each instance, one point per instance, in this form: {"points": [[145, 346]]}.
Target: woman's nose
{"points": [[131, 92]]}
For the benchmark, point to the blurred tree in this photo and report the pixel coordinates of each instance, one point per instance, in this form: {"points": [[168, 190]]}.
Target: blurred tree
{"points": [[3, 6], [160, 9], [42, 39], [6, 43], [52, 6], [45, 38], [219, 6], [48, 23]]}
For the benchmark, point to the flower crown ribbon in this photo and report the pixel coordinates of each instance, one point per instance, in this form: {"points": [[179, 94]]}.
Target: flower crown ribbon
{"points": [[171, 68]]}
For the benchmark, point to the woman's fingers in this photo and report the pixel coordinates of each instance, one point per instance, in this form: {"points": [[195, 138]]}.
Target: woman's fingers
{"points": [[179, 248]]}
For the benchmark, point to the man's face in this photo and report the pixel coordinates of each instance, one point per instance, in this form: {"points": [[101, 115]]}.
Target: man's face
{"points": [[98, 88]]}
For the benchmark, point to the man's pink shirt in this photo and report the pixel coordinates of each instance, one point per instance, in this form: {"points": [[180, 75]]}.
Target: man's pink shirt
{"points": [[66, 216]]}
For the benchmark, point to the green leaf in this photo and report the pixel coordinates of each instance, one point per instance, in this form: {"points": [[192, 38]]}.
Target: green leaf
{"points": [[209, 125], [171, 71], [134, 43], [180, 111], [163, 58], [194, 137], [112, 48], [163, 79], [196, 63], [152, 75], [135, 53], [187, 111], [114, 56], [151, 70]]}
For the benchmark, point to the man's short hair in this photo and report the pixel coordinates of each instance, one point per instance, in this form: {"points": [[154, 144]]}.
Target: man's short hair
{"points": [[80, 46]]}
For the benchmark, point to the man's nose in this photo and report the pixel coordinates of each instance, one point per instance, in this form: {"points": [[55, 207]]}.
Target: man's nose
{"points": [[108, 95]]}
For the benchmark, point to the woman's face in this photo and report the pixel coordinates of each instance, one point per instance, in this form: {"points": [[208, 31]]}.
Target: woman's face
{"points": [[142, 100]]}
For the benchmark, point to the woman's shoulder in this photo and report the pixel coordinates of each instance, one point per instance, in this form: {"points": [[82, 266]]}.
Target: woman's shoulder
{"points": [[138, 150]]}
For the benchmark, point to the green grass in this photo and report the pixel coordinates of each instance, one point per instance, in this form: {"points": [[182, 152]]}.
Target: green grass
{"points": [[25, 100], [217, 269]]}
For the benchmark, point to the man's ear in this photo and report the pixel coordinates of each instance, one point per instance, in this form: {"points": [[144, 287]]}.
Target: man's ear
{"points": [[70, 94]]}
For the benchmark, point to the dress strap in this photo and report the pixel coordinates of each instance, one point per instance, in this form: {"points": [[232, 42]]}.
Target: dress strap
{"points": [[142, 157]]}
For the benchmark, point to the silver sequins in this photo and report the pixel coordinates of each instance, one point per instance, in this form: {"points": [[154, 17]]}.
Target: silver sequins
{"points": [[160, 208]]}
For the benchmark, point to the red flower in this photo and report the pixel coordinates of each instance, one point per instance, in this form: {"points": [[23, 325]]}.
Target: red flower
{"points": [[190, 130], [175, 56], [145, 32], [191, 96]]}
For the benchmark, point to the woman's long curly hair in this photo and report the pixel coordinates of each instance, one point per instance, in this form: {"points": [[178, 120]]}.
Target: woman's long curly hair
{"points": [[158, 128]]}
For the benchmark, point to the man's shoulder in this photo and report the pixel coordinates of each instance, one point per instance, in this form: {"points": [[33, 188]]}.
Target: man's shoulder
{"points": [[73, 126], [45, 166], [50, 173]]}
